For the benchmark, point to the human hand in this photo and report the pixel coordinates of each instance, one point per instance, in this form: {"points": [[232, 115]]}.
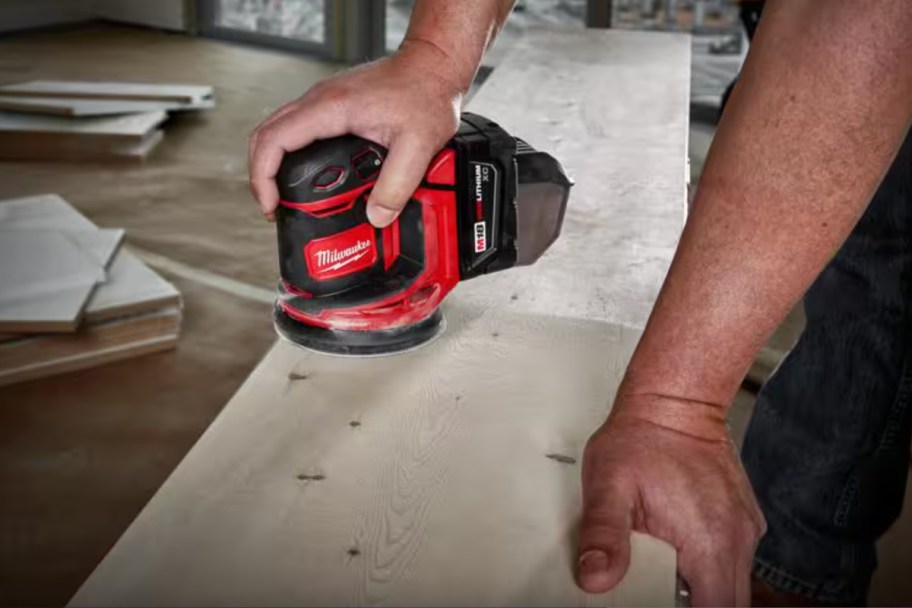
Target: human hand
{"points": [[408, 103], [668, 468]]}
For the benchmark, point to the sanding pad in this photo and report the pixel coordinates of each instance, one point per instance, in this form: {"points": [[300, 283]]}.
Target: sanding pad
{"points": [[359, 343]]}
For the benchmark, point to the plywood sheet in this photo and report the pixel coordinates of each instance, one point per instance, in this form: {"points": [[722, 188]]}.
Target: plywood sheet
{"points": [[450, 476], [31, 357], [45, 281], [107, 90], [69, 106], [131, 286]]}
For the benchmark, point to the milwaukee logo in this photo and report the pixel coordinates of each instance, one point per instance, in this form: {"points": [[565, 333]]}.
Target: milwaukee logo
{"points": [[341, 254], [341, 257]]}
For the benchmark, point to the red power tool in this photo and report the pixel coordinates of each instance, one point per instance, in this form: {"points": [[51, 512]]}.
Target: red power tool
{"points": [[488, 201]]}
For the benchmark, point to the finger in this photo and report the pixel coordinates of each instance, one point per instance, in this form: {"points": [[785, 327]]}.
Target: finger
{"points": [[743, 584], [604, 544], [400, 176], [291, 132], [274, 116], [719, 579]]}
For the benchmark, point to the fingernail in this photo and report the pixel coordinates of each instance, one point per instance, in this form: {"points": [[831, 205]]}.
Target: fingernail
{"points": [[380, 216], [593, 561]]}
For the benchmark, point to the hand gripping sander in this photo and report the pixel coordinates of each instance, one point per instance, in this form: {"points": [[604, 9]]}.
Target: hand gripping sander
{"points": [[488, 201]]}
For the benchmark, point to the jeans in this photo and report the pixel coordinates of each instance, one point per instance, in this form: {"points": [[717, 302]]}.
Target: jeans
{"points": [[827, 448]]}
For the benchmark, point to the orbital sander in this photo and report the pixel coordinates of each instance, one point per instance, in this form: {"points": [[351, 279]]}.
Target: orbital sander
{"points": [[487, 202]]}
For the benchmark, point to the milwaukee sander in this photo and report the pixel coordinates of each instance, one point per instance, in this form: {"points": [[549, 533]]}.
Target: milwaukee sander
{"points": [[487, 202]]}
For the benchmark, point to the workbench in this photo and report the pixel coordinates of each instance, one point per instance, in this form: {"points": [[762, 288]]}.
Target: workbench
{"points": [[450, 475]]}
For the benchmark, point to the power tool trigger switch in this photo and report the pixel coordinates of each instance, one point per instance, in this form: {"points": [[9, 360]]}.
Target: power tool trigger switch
{"points": [[367, 163]]}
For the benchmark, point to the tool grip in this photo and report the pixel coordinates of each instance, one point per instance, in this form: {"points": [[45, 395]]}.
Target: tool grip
{"points": [[329, 168]]}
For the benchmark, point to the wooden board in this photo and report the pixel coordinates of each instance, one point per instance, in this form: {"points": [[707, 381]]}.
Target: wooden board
{"points": [[131, 286], [449, 476], [438, 478], [31, 357], [130, 128], [44, 146], [108, 90], [69, 106], [45, 281]]}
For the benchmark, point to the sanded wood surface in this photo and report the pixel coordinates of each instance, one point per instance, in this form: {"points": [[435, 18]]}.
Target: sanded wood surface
{"points": [[70, 106], [107, 90], [450, 475], [446, 476]]}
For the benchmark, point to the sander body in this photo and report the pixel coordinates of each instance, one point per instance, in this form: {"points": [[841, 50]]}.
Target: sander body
{"points": [[487, 202]]}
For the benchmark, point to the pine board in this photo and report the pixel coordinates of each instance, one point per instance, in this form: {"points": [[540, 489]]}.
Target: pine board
{"points": [[108, 90], [70, 106], [131, 287], [444, 487], [31, 357], [425, 478]]}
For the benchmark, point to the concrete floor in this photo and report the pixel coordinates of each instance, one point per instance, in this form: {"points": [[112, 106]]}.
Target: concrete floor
{"points": [[80, 454]]}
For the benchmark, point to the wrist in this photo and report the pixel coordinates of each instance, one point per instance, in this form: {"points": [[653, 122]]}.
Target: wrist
{"points": [[429, 56], [705, 420]]}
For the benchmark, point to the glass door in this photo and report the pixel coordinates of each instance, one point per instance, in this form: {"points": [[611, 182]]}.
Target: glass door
{"points": [[301, 25]]}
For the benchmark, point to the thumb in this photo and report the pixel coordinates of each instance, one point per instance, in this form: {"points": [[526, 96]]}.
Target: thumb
{"points": [[604, 541], [400, 176]]}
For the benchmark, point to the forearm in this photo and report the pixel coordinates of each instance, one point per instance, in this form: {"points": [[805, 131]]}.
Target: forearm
{"points": [[456, 34], [822, 105]]}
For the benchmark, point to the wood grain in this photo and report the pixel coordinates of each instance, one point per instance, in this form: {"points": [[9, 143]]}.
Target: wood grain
{"points": [[430, 487], [107, 90], [449, 476]]}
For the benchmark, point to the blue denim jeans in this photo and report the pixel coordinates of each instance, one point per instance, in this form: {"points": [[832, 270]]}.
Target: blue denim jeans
{"points": [[827, 449]]}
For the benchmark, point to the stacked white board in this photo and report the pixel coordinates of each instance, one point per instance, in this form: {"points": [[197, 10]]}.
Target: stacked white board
{"points": [[72, 298], [90, 121]]}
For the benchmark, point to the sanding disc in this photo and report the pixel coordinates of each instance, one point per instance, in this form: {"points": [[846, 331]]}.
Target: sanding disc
{"points": [[359, 343]]}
